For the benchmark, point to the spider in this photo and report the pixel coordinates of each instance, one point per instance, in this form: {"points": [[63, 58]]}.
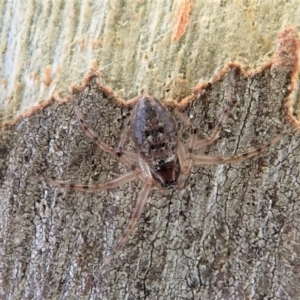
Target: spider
{"points": [[161, 159]]}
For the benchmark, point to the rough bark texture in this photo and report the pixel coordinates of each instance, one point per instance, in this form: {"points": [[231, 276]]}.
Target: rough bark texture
{"points": [[232, 233]]}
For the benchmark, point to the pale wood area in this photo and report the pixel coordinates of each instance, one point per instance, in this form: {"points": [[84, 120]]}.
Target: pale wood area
{"points": [[48, 45], [231, 234]]}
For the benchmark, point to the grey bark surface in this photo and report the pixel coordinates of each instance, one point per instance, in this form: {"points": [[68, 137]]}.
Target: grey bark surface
{"points": [[232, 233]]}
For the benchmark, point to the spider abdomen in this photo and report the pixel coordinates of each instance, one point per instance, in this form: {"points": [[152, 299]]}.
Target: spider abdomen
{"points": [[155, 131], [156, 138]]}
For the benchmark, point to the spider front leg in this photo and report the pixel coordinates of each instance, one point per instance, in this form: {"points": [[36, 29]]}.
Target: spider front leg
{"points": [[188, 160], [143, 173], [125, 178], [140, 204], [139, 207]]}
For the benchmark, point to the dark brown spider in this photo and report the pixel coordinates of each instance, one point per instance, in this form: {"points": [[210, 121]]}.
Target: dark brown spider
{"points": [[161, 158]]}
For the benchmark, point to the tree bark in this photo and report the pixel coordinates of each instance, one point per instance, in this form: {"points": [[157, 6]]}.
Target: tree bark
{"points": [[231, 233]]}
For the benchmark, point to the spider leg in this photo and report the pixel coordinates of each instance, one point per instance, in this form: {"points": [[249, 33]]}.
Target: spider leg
{"points": [[185, 159], [185, 152], [140, 204], [142, 172], [130, 156], [229, 103], [124, 178], [181, 153], [124, 134], [217, 160], [96, 139]]}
